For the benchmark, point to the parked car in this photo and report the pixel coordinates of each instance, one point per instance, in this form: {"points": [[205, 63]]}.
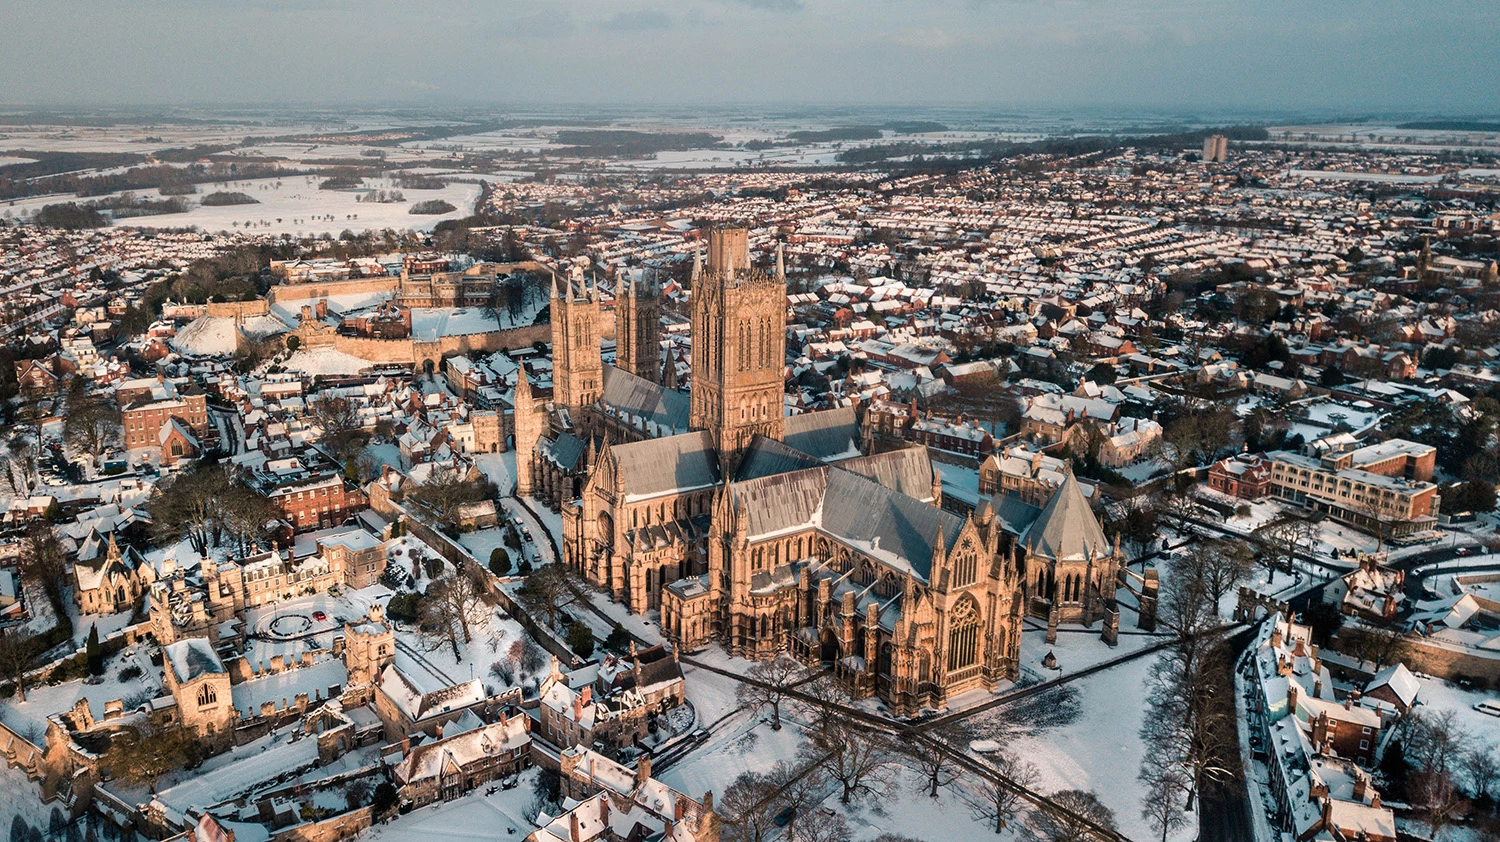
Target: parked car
{"points": [[319, 616]]}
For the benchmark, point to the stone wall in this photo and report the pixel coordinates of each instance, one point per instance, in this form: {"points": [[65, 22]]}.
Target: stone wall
{"points": [[230, 309], [324, 289], [1451, 662], [333, 829]]}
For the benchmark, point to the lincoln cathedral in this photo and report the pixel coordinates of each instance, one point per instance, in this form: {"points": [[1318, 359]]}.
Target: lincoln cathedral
{"points": [[770, 532]]}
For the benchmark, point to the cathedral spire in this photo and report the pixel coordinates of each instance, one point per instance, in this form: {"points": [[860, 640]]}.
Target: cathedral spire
{"points": [[697, 263], [780, 264]]}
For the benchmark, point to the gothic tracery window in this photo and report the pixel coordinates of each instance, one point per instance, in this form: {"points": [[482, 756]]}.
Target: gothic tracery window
{"points": [[963, 634]]}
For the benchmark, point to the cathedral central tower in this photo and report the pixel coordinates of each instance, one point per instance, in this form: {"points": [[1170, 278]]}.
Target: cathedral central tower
{"points": [[739, 346]]}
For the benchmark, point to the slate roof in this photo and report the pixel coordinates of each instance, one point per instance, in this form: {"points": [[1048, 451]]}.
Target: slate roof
{"points": [[908, 470], [565, 450], [828, 435], [1066, 527], [883, 523], [631, 395], [658, 466]]}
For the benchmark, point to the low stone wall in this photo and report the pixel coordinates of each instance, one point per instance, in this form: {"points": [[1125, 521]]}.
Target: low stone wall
{"points": [[331, 829]]}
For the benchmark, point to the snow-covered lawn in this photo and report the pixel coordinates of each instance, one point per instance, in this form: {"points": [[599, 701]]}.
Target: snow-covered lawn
{"points": [[1087, 736], [207, 336], [240, 770], [490, 639], [1437, 696], [746, 744], [325, 361], [29, 718], [501, 816]]}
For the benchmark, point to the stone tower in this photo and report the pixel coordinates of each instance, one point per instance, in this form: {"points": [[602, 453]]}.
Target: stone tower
{"points": [[638, 328], [530, 421], [739, 346], [578, 370]]}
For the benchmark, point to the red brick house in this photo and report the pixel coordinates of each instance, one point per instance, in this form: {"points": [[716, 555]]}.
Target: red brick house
{"points": [[1244, 475]]}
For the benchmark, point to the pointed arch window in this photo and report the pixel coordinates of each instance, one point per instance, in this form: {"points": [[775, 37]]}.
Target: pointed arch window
{"points": [[963, 635]]}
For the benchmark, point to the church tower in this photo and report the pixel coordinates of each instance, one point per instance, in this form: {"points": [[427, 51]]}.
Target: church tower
{"points": [[739, 346], [638, 328], [578, 371]]}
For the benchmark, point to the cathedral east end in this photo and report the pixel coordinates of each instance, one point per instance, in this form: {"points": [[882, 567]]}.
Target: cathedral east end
{"points": [[773, 533]]}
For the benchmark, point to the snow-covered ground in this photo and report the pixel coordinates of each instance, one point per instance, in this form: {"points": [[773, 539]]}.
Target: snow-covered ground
{"points": [[325, 361], [1437, 696], [207, 336], [29, 718], [502, 816], [1088, 738]]}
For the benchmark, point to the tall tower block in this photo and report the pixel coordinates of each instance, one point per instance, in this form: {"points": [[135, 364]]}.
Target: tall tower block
{"points": [[739, 346], [578, 370]]}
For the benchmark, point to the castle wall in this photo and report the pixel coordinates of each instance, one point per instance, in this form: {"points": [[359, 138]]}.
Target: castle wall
{"points": [[324, 289], [230, 309]]}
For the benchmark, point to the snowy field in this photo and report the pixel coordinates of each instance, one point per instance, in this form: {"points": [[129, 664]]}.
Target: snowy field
{"points": [[29, 718], [317, 361], [290, 205], [1086, 736]]}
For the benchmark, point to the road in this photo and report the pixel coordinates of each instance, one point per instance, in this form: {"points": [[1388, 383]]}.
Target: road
{"points": [[1224, 808]]}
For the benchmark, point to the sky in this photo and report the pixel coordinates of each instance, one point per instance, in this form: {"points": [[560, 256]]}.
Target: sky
{"points": [[1433, 56]]}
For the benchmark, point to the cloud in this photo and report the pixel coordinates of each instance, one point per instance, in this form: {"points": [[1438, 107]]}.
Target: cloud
{"points": [[542, 24], [641, 20], [923, 39], [772, 5]]}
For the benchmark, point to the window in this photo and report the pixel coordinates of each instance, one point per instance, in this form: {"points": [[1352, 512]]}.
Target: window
{"points": [[963, 635], [207, 695]]}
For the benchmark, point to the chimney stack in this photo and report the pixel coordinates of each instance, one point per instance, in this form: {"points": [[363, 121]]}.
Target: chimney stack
{"points": [[643, 770]]}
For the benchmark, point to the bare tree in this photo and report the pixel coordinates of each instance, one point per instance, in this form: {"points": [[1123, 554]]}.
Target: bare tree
{"points": [[1482, 764], [767, 683], [17, 648], [1221, 564], [745, 809], [92, 424], [1368, 643], [819, 826], [43, 564], [446, 491], [338, 419], [453, 605], [1283, 540], [856, 757], [1162, 803], [547, 590], [935, 754], [1080, 812], [1002, 804]]}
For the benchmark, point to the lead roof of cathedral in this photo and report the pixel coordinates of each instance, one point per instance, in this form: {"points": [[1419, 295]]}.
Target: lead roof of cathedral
{"points": [[565, 450], [674, 463], [879, 522], [632, 395], [908, 470], [1066, 527], [828, 435]]}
